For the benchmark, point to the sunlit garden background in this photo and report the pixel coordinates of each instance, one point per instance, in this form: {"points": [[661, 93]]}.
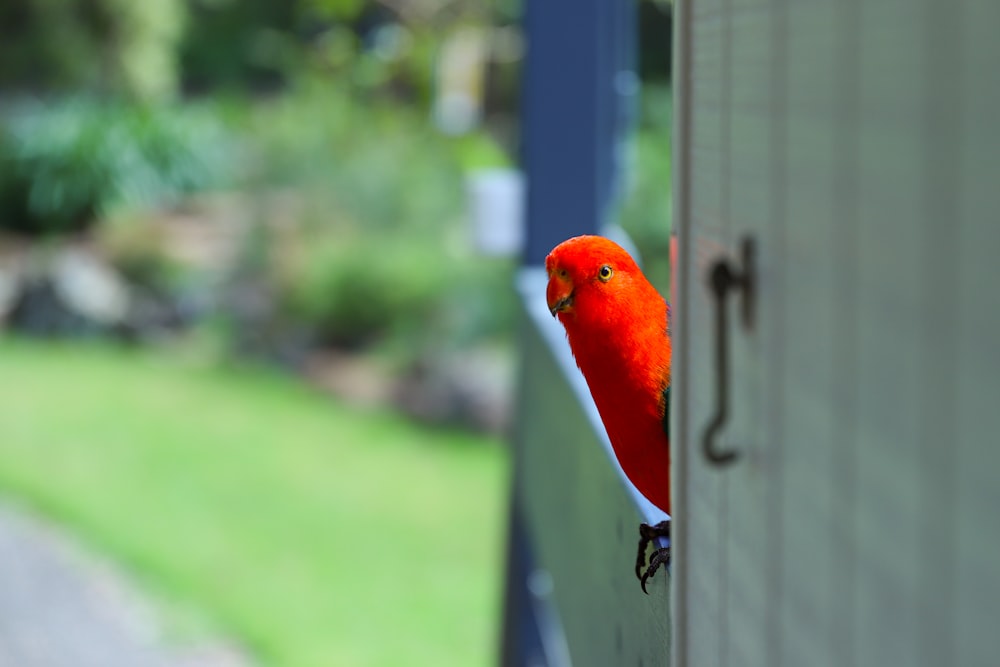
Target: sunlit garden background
{"points": [[253, 349]]}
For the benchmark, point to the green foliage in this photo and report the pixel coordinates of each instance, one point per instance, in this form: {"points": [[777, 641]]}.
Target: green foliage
{"points": [[63, 164], [356, 290], [384, 256], [145, 39], [353, 291], [113, 46], [263, 507], [478, 150], [655, 25], [137, 250], [646, 213], [373, 165], [480, 304], [238, 44], [339, 9]]}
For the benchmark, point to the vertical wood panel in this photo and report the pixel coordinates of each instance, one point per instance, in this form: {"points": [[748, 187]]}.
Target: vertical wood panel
{"points": [[976, 238], [857, 141], [700, 597], [843, 399], [945, 95], [750, 103], [809, 492], [889, 313]]}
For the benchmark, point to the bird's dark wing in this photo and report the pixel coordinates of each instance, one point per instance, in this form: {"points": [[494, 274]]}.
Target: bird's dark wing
{"points": [[666, 411], [666, 390]]}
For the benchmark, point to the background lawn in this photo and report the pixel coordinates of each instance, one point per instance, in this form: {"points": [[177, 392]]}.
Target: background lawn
{"points": [[317, 535]]}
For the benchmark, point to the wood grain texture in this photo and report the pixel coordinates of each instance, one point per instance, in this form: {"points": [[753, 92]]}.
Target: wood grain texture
{"points": [[857, 142]]}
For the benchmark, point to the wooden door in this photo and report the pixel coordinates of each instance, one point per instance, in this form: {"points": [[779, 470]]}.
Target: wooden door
{"points": [[858, 144]]}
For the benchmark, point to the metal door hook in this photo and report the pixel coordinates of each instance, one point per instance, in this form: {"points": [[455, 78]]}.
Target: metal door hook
{"points": [[724, 278]]}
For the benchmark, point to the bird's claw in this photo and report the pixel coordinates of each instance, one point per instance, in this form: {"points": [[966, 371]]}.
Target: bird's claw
{"points": [[656, 559], [647, 534]]}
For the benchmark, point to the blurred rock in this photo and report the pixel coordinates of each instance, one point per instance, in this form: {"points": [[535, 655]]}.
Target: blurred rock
{"points": [[63, 292], [39, 310], [152, 315], [89, 287], [356, 379], [70, 290], [470, 388], [11, 271]]}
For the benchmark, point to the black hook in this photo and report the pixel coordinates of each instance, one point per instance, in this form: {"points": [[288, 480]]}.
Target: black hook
{"points": [[723, 278]]}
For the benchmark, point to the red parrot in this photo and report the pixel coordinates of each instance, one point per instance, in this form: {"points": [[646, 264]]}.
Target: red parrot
{"points": [[618, 328]]}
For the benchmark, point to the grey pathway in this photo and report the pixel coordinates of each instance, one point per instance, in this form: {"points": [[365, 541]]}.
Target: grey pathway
{"points": [[63, 607]]}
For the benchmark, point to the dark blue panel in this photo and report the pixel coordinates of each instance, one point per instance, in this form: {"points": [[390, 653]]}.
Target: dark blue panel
{"points": [[580, 53]]}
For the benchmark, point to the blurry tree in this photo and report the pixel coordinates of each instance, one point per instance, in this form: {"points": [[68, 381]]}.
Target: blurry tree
{"points": [[376, 47], [141, 40], [239, 44], [64, 164], [111, 46], [655, 29], [386, 47]]}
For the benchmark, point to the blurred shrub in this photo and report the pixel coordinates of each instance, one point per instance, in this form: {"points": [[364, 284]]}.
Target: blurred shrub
{"points": [[143, 43], [112, 46], [655, 23], [63, 164], [371, 289], [646, 211], [138, 251], [480, 304], [373, 165], [371, 247], [357, 291], [238, 45], [479, 150]]}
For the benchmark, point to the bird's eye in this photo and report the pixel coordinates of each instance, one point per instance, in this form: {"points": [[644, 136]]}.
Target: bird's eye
{"points": [[605, 273]]}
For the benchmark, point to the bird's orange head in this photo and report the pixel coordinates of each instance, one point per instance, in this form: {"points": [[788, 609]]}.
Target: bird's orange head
{"points": [[618, 330], [587, 275]]}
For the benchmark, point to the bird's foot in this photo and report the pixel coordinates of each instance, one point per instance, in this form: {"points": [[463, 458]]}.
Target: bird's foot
{"points": [[659, 557], [656, 559]]}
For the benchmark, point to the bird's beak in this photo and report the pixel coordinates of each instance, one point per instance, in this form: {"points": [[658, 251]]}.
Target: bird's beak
{"points": [[559, 295], [561, 305]]}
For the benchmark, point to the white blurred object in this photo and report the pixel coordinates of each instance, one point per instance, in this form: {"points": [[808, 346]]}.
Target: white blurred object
{"points": [[89, 287], [392, 42], [461, 69], [496, 210]]}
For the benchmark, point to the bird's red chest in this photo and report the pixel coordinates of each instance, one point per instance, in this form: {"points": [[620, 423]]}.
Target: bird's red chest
{"points": [[627, 375]]}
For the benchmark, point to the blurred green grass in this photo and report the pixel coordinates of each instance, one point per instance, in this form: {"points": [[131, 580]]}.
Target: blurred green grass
{"points": [[316, 535]]}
